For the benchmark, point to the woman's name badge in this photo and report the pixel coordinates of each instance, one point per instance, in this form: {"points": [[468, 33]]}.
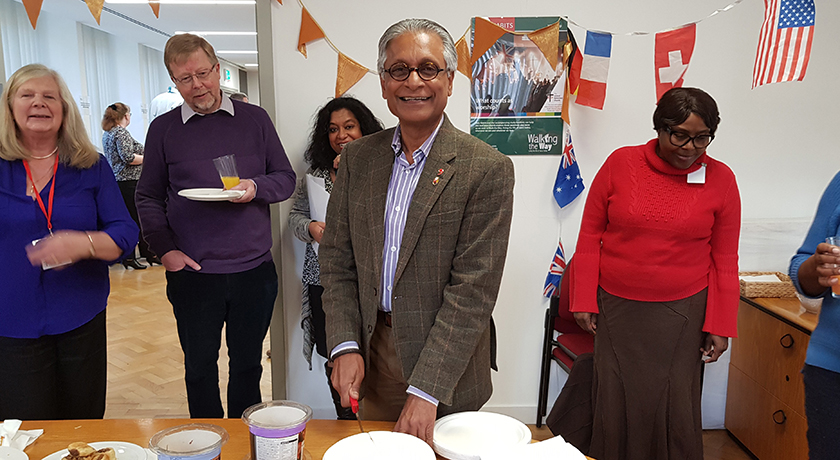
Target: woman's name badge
{"points": [[699, 176], [55, 263]]}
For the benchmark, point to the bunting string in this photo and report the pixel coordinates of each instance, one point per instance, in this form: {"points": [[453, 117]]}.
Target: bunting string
{"points": [[327, 39], [635, 33], [33, 8]]}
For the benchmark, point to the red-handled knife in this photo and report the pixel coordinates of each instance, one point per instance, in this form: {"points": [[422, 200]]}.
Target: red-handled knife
{"points": [[354, 406]]}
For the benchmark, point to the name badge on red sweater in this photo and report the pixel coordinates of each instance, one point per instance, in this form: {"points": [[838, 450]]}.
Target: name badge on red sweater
{"points": [[699, 176]]}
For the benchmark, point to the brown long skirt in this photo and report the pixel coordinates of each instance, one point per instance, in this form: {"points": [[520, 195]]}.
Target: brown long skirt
{"points": [[646, 387]]}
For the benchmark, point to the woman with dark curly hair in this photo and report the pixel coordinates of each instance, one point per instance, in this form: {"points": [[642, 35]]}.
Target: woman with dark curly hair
{"points": [[340, 121]]}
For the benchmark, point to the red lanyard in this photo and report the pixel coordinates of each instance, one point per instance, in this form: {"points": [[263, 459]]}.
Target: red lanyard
{"points": [[46, 210]]}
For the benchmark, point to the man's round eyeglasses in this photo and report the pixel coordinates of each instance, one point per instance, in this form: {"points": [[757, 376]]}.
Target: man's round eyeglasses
{"points": [[201, 76], [680, 139], [427, 71]]}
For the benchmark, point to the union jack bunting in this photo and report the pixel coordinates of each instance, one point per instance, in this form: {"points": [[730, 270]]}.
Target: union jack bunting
{"points": [[558, 266]]}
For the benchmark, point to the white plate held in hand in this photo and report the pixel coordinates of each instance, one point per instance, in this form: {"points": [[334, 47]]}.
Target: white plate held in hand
{"points": [[210, 194], [124, 450]]}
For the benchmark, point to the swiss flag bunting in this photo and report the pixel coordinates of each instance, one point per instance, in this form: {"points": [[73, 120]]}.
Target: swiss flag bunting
{"points": [[671, 57]]}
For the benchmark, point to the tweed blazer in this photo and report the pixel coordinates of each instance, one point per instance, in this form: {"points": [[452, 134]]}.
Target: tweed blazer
{"points": [[450, 265]]}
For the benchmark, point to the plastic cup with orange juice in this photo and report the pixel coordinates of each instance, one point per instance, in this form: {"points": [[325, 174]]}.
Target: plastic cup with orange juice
{"points": [[226, 166], [835, 288]]}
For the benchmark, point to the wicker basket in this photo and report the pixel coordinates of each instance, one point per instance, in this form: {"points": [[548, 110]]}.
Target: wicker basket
{"points": [[784, 288]]}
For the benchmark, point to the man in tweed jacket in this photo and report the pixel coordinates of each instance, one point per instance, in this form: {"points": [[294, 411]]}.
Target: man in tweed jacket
{"points": [[414, 247]]}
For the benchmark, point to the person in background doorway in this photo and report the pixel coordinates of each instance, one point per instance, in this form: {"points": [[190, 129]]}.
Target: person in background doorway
{"points": [[164, 102], [125, 155], [656, 281], [339, 122], [217, 255], [57, 190], [242, 97]]}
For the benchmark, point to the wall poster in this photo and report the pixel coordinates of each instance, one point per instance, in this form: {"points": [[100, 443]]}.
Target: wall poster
{"points": [[516, 96]]}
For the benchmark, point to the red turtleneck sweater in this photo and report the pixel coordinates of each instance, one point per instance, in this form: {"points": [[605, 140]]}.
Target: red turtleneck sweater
{"points": [[649, 235]]}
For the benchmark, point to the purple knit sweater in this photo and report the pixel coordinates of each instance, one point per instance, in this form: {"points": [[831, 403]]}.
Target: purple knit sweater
{"points": [[223, 237]]}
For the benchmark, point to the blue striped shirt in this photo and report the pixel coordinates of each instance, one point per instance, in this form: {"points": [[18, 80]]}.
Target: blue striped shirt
{"points": [[404, 177]]}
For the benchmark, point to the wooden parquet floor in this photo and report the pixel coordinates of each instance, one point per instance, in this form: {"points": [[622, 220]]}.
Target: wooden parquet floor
{"points": [[145, 362]]}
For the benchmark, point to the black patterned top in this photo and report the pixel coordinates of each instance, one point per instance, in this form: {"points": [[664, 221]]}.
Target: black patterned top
{"points": [[299, 220], [120, 149]]}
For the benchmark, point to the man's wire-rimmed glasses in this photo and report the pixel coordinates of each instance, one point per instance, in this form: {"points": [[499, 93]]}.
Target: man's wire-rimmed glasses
{"points": [[202, 75]]}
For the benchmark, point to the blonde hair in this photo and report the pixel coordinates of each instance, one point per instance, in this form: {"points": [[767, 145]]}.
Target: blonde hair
{"points": [[74, 146], [114, 114], [179, 47]]}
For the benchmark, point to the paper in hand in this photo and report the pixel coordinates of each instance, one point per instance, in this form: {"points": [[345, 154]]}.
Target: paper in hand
{"points": [[318, 199]]}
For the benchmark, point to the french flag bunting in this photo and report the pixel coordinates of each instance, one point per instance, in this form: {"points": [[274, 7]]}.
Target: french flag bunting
{"points": [[784, 46], [672, 54], [594, 69], [558, 266], [568, 184]]}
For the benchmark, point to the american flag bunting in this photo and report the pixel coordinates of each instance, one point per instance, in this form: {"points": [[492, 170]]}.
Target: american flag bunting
{"points": [[784, 46]]}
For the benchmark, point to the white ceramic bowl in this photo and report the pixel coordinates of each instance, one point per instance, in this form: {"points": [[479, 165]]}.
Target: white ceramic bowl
{"points": [[810, 305]]}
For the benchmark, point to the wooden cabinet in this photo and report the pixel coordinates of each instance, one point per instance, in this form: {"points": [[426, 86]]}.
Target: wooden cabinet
{"points": [[765, 402]]}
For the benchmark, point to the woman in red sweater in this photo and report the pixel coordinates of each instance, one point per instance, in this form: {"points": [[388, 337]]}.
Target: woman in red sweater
{"points": [[656, 276]]}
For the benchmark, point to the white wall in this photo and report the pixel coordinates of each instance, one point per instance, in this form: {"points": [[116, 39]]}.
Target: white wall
{"points": [[254, 87], [776, 138], [233, 83]]}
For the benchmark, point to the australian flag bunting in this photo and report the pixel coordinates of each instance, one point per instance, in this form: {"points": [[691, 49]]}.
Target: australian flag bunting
{"points": [[568, 184], [558, 266]]}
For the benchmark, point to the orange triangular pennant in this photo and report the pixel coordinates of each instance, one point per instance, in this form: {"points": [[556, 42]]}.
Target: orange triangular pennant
{"points": [[33, 10], [281, 1], [568, 48], [348, 74], [309, 30], [155, 8], [95, 7], [547, 40], [486, 33], [463, 56], [564, 110]]}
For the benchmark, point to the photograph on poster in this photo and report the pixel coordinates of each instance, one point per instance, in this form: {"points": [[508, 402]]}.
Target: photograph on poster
{"points": [[517, 96]]}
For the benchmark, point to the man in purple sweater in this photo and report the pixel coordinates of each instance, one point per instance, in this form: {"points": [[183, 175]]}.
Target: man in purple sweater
{"points": [[217, 255]]}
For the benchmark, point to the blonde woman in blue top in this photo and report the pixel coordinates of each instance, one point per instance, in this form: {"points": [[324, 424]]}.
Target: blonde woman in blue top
{"points": [[54, 188]]}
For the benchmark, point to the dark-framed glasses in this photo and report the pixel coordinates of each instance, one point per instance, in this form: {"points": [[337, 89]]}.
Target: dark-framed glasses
{"points": [[681, 139], [427, 71], [202, 75]]}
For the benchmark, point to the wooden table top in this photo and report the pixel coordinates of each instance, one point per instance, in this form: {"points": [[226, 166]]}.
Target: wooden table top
{"points": [[320, 434], [788, 309]]}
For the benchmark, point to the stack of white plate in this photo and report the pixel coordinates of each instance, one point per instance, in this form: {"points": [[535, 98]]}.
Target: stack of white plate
{"points": [[464, 435]]}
